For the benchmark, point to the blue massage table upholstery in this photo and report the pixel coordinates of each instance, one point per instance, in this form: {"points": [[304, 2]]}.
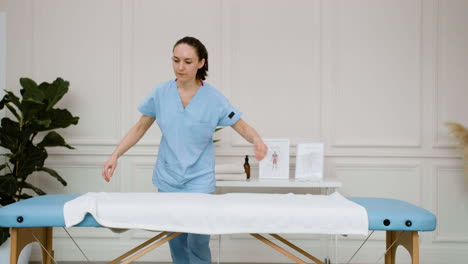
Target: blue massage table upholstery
{"points": [[384, 214], [40, 214], [46, 210], [391, 214]]}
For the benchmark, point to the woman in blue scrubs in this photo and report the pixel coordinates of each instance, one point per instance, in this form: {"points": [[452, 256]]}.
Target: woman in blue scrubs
{"points": [[187, 111]]}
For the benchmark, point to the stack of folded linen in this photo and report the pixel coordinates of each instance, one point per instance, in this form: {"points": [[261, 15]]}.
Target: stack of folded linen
{"points": [[230, 172]]}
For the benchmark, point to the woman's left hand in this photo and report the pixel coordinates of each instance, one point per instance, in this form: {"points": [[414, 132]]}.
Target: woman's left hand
{"points": [[260, 150]]}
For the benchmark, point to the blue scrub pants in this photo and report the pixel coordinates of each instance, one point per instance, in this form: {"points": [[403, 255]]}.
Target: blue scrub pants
{"points": [[190, 249]]}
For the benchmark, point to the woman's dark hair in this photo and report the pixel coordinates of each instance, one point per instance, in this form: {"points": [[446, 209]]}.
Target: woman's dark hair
{"points": [[201, 52]]}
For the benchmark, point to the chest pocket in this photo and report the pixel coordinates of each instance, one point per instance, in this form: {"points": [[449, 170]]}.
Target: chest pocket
{"points": [[200, 132]]}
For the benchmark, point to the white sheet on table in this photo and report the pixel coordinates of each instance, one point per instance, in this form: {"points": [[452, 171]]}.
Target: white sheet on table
{"points": [[221, 213]]}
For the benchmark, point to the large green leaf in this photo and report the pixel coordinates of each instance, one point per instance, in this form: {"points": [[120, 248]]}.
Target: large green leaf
{"points": [[13, 110], [9, 132], [54, 174], [6, 199], [54, 92], [31, 93], [24, 196], [36, 125], [27, 83], [44, 123], [8, 185], [53, 139], [61, 118], [31, 111], [10, 97], [30, 160], [27, 185]]}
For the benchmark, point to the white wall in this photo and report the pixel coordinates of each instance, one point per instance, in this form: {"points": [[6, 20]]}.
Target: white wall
{"points": [[2, 69], [3, 35], [374, 80]]}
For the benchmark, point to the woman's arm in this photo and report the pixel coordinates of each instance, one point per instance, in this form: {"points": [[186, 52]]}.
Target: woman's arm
{"points": [[132, 137], [249, 133]]}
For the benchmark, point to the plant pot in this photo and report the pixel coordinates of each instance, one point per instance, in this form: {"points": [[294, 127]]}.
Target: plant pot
{"points": [[23, 258]]}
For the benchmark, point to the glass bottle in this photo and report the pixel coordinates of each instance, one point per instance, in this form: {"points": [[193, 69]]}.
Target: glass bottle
{"points": [[247, 167]]}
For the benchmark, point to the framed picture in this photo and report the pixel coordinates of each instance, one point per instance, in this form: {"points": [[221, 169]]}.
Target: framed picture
{"points": [[275, 165], [309, 161]]}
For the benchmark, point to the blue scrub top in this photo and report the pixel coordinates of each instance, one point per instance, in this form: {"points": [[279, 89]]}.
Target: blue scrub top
{"points": [[185, 160]]}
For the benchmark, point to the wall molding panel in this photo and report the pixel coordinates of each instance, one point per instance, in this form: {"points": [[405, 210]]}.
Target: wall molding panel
{"points": [[452, 59], [255, 49], [360, 57], [388, 179], [449, 179], [85, 52]]}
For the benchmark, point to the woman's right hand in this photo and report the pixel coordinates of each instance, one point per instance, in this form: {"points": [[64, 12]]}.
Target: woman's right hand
{"points": [[132, 137], [109, 168]]}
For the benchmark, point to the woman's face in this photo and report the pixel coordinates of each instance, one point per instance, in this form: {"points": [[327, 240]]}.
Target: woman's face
{"points": [[185, 62]]}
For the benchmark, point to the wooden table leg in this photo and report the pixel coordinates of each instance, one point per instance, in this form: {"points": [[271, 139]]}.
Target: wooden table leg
{"points": [[22, 236], [407, 239], [151, 248], [278, 248], [298, 249], [138, 248]]}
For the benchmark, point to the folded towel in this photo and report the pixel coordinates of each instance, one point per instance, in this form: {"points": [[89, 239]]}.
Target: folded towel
{"points": [[229, 168]]}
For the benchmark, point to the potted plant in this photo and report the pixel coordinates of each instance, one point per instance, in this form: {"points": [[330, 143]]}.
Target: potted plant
{"points": [[33, 114]]}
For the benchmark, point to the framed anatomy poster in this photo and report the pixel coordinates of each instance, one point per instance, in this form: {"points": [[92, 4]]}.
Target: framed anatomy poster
{"points": [[309, 161], [275, 165]]}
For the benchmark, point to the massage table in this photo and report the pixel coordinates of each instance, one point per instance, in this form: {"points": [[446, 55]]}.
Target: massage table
{"points": [[32, 220]]}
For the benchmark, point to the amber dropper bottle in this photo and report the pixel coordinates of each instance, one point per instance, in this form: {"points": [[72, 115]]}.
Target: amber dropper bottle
{"points": [[247, 167]]}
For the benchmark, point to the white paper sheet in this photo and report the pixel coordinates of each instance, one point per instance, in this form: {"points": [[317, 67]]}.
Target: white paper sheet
{"points": [[221, 213]]}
